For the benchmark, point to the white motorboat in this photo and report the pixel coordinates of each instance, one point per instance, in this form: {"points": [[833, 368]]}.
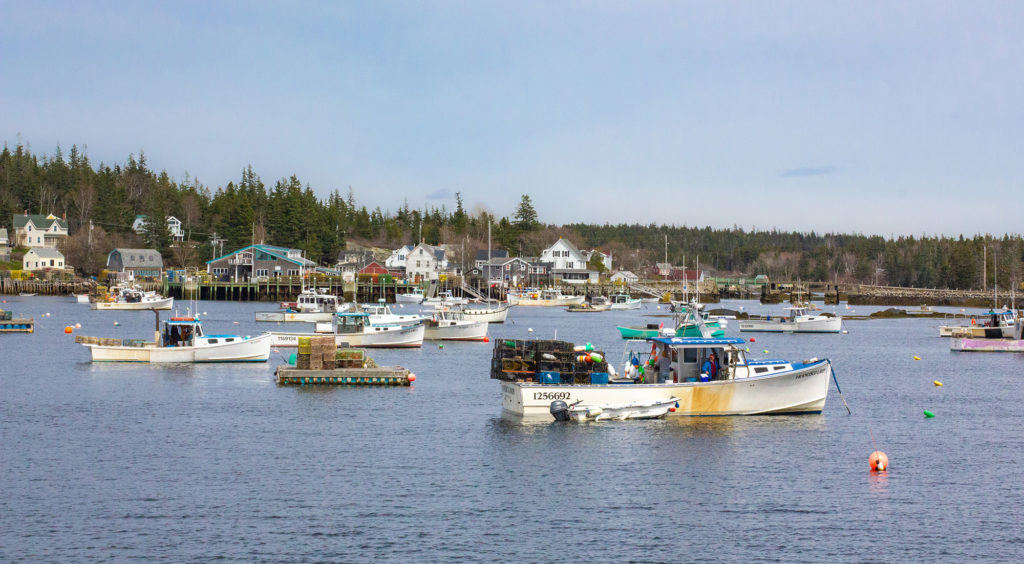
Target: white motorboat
{"points": [[444, 299], [544, 298], [621, 412], [132, 298], [181, 341], [488, 314], [312, 306], [799, 320], [624, 301], [81, 298], [740, 386], [413, 296], [1005, 319], [381, 314], [353, 329], [451, 325]]}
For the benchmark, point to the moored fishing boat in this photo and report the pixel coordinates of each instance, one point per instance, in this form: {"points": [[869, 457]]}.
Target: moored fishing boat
{"points": [[489, 314], [413, 296], [624, 301], [81, 298], [444, 298], [597, 303], [1005, 320], [543, 298], [737, 387], [799, 320], [311, 306], [381, 314], [451, 325], [181, 341], [131, 298], [354, 329], [988, 339]]}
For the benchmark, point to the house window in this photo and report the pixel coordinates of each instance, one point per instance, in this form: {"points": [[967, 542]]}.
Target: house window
{"points": [[51, 262], [293, 272], [262, 272], [569, 265]]}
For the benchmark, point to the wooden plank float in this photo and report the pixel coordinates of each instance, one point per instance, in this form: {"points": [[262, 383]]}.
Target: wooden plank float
{"points": [[16, 325], [380, 376]]}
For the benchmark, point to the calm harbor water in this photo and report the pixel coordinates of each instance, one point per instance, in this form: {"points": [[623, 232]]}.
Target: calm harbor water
{"points": [[115, 462]]}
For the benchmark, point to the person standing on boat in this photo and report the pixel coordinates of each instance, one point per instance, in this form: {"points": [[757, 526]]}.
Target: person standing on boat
{"points": [[709, 370]]}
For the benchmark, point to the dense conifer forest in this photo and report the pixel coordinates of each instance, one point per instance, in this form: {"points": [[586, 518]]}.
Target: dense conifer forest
{"points": [[100, 202]]}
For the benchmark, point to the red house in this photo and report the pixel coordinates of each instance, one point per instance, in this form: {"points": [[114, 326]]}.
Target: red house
{"points": [[374, 269]]}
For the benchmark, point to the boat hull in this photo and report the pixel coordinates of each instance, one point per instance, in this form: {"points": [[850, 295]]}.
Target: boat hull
{"points": [[797, 391], [383, 338], [554, 302], [986, 345], [456, 331], [162, 304], [81, 298], [409, 298], [256, 349], [629, 304], [815, 325], [294, 317], [489, 315]]}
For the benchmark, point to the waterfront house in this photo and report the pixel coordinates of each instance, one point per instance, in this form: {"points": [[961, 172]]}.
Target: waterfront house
{"points": [[5, 248], [425, 262], [398, 258], [507, 272], [39, 230], [481, 256], [173, 226], [259, 262], [568, 264], [624, 277], [42, 258], [352, 261], [374, 269], [606, 258], [136, 263]]}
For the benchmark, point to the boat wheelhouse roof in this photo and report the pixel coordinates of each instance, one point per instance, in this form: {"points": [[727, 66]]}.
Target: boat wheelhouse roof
{"points": [[182, 321], [352, 314], [697, 341]]}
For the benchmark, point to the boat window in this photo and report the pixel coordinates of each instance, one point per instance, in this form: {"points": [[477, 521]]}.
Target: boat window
{"points": [[228, 340], [760, 370], [779, 367], [212, 341], [690, 355]]}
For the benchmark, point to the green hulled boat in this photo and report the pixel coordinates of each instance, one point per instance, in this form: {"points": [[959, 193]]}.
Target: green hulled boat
{"points": [[684, 330]]}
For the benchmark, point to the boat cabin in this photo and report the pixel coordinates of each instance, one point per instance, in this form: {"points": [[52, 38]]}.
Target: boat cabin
{"points": [[313, 301], [181, 332], [620, 298], [695, 359]]}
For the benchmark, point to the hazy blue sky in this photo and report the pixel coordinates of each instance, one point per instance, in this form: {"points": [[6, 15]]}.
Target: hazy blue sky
{"points": [[875, 117]]}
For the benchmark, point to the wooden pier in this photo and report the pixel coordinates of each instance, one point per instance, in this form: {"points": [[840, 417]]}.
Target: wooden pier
{"points": [[14, 287]]}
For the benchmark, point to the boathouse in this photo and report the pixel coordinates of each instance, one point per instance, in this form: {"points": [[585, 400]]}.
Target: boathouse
{"points": [[624, 277], [258, 262], [136, 263]]}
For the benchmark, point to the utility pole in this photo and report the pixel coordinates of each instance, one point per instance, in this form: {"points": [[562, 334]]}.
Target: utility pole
{"points": [[984, 267]]}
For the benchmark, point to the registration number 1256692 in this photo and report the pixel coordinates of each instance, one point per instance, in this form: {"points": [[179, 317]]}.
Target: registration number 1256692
{"points": [[551, 396]]}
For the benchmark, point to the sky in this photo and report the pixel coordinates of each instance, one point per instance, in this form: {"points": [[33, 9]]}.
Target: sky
{"points": [[878, 117]]}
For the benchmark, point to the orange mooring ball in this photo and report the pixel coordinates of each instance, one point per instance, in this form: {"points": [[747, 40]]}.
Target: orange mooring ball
{"points": [[412, 377], [68, 329], [879, 461], [487, 340]]}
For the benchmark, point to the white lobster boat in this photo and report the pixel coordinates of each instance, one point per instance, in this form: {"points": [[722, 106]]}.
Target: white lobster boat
{"points": [[183, 341], [132, 298], [413, 296], [487, 314], [356, 330], [799, 320], [741, 387], [624, 301], [544, 298], [1005, 319], [444, 299], [311, 306], [81, 298], [451, 325], [381, 314]]}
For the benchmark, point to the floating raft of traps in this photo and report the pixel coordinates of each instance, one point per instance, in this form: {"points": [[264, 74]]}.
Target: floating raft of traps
{"points": [[382, 376]]}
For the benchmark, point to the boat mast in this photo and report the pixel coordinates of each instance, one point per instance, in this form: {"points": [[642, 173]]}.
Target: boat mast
{"points": [[488, 281]]}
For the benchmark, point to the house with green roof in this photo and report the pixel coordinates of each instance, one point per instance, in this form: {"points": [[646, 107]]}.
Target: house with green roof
{"points": [[39, 230], [262, 261]]}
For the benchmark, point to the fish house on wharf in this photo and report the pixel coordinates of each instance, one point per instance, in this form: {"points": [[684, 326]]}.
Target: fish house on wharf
{"points": [[256, 262]]}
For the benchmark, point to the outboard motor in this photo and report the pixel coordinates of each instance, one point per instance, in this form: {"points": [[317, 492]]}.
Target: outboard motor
{"points": [[560, 410]]}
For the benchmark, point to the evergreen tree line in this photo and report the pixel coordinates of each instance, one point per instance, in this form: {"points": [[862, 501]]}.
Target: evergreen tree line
{"points": [[101, 202]]}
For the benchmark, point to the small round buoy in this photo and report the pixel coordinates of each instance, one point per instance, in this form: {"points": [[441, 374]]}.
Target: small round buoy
{"points": [[412, 377], [486, 339], [845, 331], [440, 345], [529, 330], [753, 340], [657, 307], [204, 313], [116, 324], [928, 414], [917, 357], [235, 322], [879, 461], [973, 321], [672, 409], [78, 325], [47, 314], [766, 351], [68, 329], [936, 382], [748, 349]]}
